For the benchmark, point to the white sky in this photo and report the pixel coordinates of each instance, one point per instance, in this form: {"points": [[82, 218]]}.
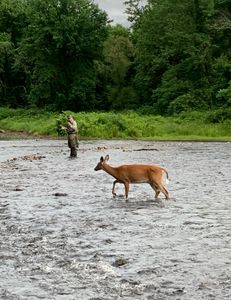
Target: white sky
{"points": [[115, 10]]}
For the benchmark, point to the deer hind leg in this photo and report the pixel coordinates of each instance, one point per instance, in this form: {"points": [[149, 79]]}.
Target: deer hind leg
{"points": [[156, 190], [164, 191], [113, 188]]}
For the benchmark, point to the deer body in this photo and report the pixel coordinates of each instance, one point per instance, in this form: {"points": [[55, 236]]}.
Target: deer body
{"points": [[135, 173]]}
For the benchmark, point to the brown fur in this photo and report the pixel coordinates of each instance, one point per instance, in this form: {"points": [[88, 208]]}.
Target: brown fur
{"points": [[136, 173]]}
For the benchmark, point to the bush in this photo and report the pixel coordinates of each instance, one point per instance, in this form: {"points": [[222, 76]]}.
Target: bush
{"points": [[147, 110], [123, 97], [224, 95], [6, 112], [219, 116], [61, 121], [185, 103]]}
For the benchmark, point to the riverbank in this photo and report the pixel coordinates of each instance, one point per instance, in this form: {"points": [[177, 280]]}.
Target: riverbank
{"points": [[129, 125], [19, 135]]}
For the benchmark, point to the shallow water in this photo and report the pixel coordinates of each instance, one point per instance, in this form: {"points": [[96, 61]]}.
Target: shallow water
{"points": [[63, 235]]}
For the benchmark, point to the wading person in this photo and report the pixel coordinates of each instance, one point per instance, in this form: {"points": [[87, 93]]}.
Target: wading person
{"points": [[72, 132]]}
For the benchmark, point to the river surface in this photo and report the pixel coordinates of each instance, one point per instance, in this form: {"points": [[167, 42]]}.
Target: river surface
{"points": [[64, 237]]}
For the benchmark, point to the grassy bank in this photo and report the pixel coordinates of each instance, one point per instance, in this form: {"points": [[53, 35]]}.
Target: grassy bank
{"points": [[127, 125]]}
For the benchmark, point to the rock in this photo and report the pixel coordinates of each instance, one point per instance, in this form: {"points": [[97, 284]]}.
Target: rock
{"points": [[120, 262], [146, 149], [102, 148], [33, 157], [18, 189], [60, 194]]}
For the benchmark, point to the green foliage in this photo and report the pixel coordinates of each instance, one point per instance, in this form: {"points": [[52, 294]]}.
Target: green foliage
{"points": [[121, 97], [12, 23], [64, 55], [60, 123], [147, 110], [6, 112], [34, 121], [220, 116], [186, 102], [116, 69], [125, 125], [178, 54], [225, 95], [58, 50]]}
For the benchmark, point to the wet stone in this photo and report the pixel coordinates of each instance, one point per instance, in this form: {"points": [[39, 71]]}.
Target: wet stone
{"points": [[18, 189], [120, 262], [60, 194]]}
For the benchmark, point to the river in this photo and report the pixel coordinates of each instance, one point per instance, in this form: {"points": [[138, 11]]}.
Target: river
{"points": [[63, 235]]}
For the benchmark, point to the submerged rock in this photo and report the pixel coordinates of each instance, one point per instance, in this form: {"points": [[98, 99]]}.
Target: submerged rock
{"points": [[18, 189], [60, 194], [120, 262]]}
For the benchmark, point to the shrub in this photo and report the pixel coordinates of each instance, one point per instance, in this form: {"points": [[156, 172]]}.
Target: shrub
{"points": [[219, 116], [147, 110], [185, 103]]}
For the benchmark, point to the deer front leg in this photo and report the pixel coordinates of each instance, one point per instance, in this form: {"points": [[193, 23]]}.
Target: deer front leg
{"points": [[113, 188], [126, 186]]}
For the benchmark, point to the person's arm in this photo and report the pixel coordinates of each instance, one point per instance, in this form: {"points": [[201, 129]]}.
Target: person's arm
{"points": [[71, 127]]}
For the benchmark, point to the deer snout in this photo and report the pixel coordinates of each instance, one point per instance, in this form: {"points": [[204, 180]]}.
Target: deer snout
{"points": [[97, 168]]}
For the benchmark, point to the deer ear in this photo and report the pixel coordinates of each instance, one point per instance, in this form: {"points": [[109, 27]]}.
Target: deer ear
{"points": [[101, 159], [107, 157]]}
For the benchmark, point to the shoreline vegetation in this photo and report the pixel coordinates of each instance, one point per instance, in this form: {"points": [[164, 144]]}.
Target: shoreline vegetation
{"points": [[212, 126]]}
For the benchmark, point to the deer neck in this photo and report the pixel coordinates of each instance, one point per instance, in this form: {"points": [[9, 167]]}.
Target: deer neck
{"points": [[110, 170]]}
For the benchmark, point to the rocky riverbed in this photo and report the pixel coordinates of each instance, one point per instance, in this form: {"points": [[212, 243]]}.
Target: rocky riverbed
{"points": [[63, 235]]}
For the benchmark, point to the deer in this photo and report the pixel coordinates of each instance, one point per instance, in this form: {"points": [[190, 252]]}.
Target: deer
{"points": [[135, 173]]}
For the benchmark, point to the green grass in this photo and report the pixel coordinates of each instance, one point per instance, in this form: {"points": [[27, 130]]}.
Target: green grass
{"points": [[123, 125]]}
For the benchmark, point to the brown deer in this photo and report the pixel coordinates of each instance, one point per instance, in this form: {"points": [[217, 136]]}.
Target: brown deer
{"points": [[135, 173]]}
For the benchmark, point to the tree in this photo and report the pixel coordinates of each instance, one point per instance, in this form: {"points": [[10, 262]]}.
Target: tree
{"points": [[134, 10], [13, 20], [58, 50], [220, 29], [175, 57], [116, 69]]}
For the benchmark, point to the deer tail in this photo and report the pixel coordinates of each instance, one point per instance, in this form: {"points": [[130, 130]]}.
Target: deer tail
{"points": [[167, 177]]}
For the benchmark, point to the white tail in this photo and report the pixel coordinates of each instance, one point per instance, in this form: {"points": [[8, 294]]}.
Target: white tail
{"points": [[136, 173]]}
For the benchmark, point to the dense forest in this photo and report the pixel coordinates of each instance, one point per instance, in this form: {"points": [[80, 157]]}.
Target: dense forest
{"points": [[67, 55]]}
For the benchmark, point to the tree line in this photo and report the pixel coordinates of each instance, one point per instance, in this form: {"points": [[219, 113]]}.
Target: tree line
{"points": [[66, 55]]}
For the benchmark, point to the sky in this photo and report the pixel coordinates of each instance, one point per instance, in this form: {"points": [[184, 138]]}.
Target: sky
{"points": [[115, 10]]}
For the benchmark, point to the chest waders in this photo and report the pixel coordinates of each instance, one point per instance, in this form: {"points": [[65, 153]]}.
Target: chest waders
{"points": [[73, 144]]}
